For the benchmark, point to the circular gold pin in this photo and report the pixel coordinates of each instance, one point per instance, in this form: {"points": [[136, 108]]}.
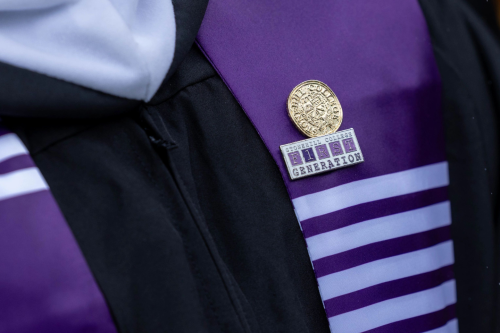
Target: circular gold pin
{"points": [[314, 109]]}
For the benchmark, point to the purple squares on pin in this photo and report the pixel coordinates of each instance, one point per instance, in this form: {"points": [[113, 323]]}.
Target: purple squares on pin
{"points": [[308, 155], [295, 158], [321, 154], [349, 145], [336, 148]]}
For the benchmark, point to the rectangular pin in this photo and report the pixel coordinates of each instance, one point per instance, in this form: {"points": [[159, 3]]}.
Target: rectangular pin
{"points": [[325, 153]]}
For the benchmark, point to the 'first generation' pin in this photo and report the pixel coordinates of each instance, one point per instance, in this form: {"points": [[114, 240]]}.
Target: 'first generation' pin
{"points": [[316, 112]]}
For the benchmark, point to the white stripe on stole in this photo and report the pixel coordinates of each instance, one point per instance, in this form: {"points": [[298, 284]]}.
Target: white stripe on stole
{"points": [[379, 229], [371, 189], [21, 182], [450, 327], [384, 270], [11, 146], [395, 309]]}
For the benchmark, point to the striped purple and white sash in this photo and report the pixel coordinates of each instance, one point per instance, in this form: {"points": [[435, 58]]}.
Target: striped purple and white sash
{"points": [[378, 233], [383, 253], [45, 283]]}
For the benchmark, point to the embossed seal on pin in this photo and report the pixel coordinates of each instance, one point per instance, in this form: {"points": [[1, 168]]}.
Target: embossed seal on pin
{"points": [[314, 109]]}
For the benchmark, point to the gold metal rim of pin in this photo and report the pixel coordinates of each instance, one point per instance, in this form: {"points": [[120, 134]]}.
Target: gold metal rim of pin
{"points": [[303, 119]]}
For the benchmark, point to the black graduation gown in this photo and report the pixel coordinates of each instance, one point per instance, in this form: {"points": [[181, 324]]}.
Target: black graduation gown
{"points": [[151, 190]]}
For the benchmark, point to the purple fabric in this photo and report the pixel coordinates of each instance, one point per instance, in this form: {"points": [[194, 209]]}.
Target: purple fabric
{"points": [[375, 55], [372, 210], [387, 290], [380, 250], [45, 283], [419, 324], [16, 163]]}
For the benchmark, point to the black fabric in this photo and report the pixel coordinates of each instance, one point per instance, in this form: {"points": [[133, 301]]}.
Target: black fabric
{"points": [[24, 93], [193, 70], [185, 221], [468, 55], [486, 12], [188, 17]]}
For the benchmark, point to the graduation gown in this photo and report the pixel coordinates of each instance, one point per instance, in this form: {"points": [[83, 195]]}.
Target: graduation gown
{"points": [[181, 215]]}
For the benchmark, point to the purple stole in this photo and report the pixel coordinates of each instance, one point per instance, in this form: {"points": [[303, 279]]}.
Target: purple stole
{"points": [[378, 233], [45, 283]]}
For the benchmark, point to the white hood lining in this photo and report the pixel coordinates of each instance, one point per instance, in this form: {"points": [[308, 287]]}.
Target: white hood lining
{"points": [[120, 47]]}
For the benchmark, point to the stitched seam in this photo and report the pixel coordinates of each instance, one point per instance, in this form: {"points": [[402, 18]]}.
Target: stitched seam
{"points": [[203, 233], [195, 270], [226, 279], [194, 212], [189, 253]]}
